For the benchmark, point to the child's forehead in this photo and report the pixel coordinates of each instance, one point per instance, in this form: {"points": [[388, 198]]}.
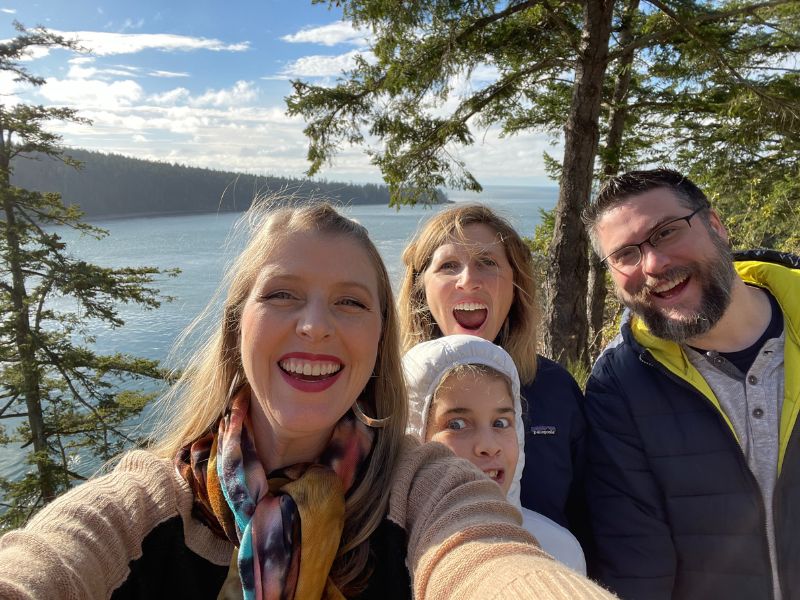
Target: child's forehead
{"points": [[470, 375], [464, 386]]}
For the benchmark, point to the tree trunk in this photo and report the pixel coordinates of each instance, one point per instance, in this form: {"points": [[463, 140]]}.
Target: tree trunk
{"points": [[597, 304], [25, 346], [612, 159], [566, 325]]}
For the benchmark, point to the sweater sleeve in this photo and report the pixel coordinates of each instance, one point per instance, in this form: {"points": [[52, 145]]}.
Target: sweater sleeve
{"points": [[81, 544], [633, 552], [465, 541]]}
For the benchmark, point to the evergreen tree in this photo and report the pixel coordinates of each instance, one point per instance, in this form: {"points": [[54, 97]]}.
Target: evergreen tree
{"points": [[66, 397], [597, 72]]}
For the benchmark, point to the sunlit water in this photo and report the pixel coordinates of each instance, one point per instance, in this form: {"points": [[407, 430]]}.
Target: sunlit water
{"points": [[202, 246]]}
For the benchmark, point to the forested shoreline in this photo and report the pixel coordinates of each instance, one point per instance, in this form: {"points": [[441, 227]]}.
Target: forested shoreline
{"points": [[112, 185]]}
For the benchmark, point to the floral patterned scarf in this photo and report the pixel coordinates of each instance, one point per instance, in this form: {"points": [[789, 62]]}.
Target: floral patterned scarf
{"points": [[288, 523]]}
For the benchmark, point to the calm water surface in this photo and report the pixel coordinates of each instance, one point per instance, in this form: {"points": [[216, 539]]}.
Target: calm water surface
{"points": [[202, 246]]}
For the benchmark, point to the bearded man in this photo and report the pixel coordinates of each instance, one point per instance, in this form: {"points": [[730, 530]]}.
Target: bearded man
{"points": [[693, 479]]}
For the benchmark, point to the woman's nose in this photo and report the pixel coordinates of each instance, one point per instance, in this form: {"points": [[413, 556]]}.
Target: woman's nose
{"points": [[468, 278], [314, 321]]}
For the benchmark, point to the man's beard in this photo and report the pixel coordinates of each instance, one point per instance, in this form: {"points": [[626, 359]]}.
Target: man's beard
{"points": [[716, 278]]}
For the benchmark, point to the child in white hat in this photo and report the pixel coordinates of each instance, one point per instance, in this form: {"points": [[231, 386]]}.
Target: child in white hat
{"points": [[464, 393]]}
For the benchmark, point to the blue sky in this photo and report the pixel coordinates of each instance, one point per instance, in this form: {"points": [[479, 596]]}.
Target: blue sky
{"points": [[202, 83]]}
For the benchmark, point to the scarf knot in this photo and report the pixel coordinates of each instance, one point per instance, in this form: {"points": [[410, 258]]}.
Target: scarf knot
{"points": [[288, 523]]}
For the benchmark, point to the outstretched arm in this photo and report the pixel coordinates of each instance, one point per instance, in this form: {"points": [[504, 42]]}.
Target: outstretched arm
{"points": [[465, 540], [82, 544]]}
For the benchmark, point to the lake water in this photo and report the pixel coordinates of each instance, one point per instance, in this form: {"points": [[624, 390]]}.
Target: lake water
{"points": [[203, 245]]}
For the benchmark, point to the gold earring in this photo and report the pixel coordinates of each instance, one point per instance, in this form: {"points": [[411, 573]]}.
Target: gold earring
{"points": [[369, 421]]}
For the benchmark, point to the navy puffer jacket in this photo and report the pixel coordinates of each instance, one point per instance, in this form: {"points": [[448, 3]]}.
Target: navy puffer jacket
{"points": [[675, 510]]}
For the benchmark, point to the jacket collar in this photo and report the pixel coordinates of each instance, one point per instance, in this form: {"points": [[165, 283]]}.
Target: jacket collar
{"points": [[782, 279]]}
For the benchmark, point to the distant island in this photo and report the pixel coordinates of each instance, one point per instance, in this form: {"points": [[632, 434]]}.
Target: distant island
{"points": [[112, 185]]}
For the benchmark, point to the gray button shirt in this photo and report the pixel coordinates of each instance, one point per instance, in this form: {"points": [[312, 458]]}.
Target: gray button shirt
{"points": [[753, 403]]}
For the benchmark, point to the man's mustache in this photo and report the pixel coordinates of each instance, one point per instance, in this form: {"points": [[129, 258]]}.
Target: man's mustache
{"points": [[642, 294]]}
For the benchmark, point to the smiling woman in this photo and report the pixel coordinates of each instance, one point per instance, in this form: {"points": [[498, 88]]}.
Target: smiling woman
{"points": [[269, 455], [315, 306]]}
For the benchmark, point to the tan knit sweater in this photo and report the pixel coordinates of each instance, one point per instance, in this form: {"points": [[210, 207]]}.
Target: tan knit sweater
{"points": [[464, 539]]}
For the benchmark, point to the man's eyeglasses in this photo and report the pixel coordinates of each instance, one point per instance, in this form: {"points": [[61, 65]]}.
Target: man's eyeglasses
{"points": [[666, 236]]}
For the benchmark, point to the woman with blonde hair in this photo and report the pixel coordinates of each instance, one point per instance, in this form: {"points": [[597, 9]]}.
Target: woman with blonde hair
{"points": [[469, 272], [286, 449]]}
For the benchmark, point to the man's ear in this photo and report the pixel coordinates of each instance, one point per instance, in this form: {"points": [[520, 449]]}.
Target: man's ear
{"points": [[715, 222]]}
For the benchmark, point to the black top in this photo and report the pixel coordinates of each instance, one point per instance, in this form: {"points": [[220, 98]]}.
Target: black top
{"points": [[744, 359], [169, 569]]}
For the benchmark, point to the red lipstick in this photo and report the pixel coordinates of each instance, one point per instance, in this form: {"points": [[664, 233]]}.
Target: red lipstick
{"points": [[301, 382]]}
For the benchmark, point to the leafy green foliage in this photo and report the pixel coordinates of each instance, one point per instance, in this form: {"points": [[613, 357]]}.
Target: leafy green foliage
{"points": [[705, 86], [63, 400], [721, 102], [423, 54]]}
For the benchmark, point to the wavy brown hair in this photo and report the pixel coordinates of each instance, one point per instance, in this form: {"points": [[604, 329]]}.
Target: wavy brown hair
{"points": [[200, 397], [518, 336]]}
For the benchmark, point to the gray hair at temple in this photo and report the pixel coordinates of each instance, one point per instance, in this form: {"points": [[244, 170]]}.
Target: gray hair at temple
{"points": [[621, 188]]}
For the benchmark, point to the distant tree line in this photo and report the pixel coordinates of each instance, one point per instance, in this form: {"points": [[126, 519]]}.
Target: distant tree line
{"points": [[112, 185]]}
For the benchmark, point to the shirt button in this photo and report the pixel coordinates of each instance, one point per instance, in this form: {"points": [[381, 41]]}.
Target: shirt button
{"points": [[758, 413], [752, 380], [718, 360]]}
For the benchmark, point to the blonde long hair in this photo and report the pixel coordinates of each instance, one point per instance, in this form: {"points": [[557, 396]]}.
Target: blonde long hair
{"points": [[200, 396], [518, 336]]}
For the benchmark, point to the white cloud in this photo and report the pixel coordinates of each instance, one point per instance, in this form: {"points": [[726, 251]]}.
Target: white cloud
{"points": [[9, 11], [105, 44], [81, 60], [168, 74], [91, 92], [10, 89], [485, 72], [33, 52], [252, 139], [85, 67], [170, 97], [264, 140], [322, 66], [340, 32], [77, 70], [242, 92]]}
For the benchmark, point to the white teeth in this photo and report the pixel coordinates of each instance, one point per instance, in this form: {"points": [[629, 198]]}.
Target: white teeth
{"points": [[306, 367], [668, 285], [492, 473], [470, 306]]}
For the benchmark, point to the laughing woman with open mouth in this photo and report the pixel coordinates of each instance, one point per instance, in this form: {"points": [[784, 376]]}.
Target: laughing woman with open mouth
{"points": [[469, 272], [285, 454]]}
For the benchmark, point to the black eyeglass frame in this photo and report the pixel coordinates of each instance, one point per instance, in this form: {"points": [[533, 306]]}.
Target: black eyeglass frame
{"points": [[687, 218]]}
